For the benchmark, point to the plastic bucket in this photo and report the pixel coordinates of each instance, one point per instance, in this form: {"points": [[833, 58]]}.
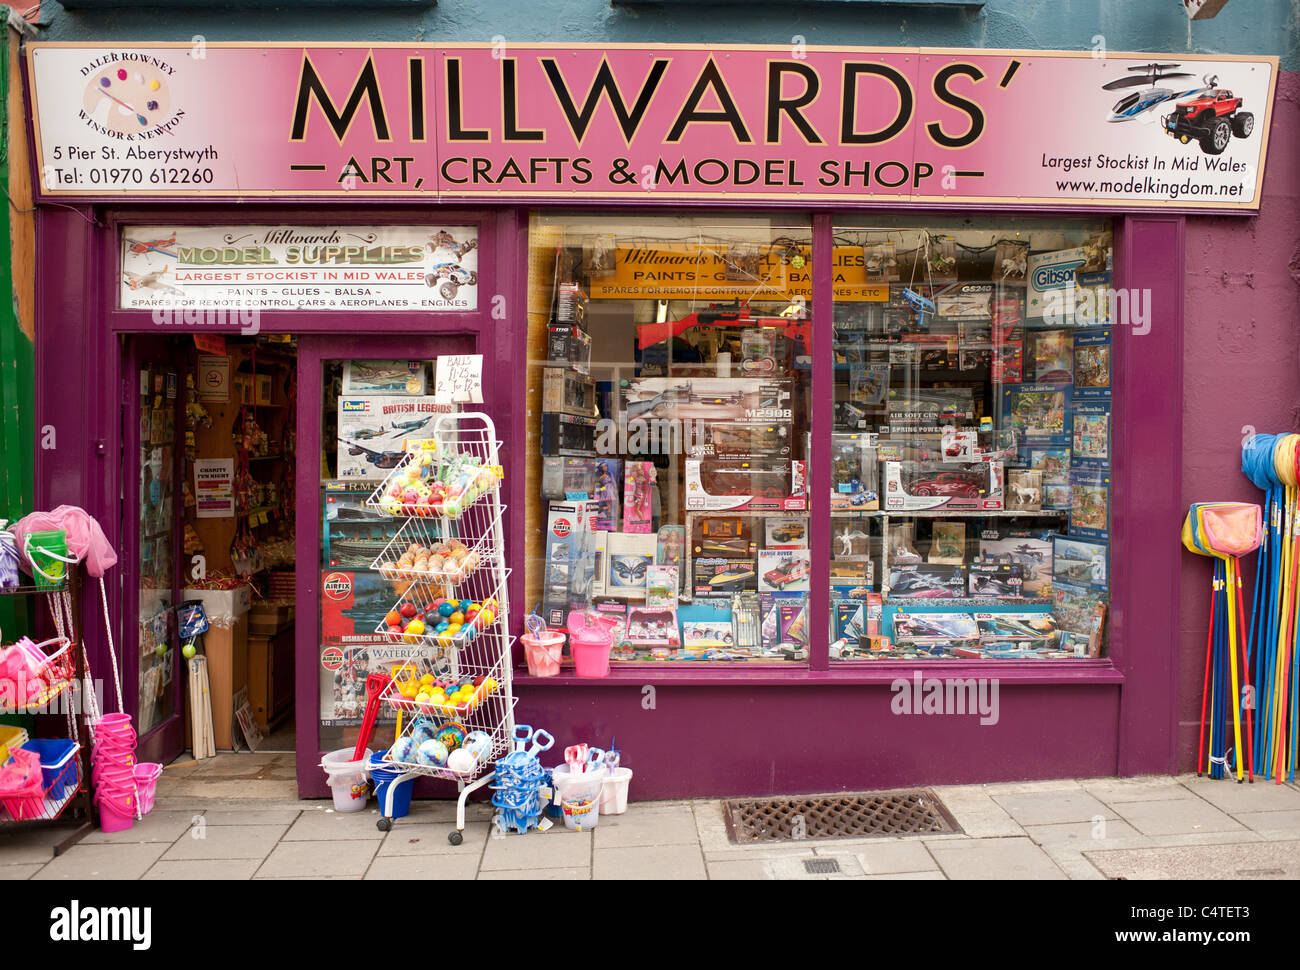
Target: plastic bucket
{"points": [[579, 796], [543, 653], [613, 792], [384, 777], [348, 780], [48, 554], [111, 818], [146, 784], [590, 659]]}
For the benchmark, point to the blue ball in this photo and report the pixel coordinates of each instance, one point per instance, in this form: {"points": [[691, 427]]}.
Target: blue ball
{"points": [[446, 609]]}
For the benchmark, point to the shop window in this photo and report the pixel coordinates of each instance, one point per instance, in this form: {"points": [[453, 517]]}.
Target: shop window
{"points": [[971, 478], [669, 376]]}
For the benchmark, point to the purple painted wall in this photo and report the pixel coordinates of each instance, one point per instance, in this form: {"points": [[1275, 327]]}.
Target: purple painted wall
{"points": [[1241, 359]]}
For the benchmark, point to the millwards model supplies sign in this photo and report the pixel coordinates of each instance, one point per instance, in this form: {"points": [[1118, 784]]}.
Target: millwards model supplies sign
{"points": [[300, 267], [708, 123]]}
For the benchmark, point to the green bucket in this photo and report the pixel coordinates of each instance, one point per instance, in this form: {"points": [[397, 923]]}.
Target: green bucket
{"points": [[48, 554]]}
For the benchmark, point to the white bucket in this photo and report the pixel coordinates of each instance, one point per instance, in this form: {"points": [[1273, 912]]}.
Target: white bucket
{"points": [[579, 796], [613, 792], [349, 780]]}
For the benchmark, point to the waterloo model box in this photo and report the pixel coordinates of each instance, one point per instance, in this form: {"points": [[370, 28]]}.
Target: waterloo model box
{"points": [[743, 485], [912, 486]]}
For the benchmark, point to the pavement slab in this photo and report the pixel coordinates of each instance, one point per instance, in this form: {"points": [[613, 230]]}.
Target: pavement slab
{"points": [[1258, 860]]}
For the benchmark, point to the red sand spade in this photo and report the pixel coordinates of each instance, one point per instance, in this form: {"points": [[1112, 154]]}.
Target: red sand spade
{"points": [[376, 684]]}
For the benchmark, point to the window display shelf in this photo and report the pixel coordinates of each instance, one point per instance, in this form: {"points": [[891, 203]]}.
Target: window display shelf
{"points": [[948, 514]]}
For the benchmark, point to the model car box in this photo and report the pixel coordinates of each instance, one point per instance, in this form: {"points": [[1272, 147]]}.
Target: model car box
{"points": [[854, 472], [740, 439], [851, 579], [710, 399], [723, 536], [911, 486], [927, 581], [785, 533], [783, 569], [373, 431], [711, 575], [567, 392], [568, 435], [713, 485], [569, 344]]}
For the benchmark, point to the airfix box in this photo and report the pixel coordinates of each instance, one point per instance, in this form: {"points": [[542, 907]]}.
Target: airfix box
{"points": [[567, 392], [928, 581], [570, 560], [569, 344], [911, 486], [998, 580], [353, 604], [723, 537], [568, 435], [755, 486], [739, 439], [783, 569], [712, 575]]}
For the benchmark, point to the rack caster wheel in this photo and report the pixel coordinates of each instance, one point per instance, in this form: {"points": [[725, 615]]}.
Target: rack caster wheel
{"points": [[384, 824], [455, 838]]}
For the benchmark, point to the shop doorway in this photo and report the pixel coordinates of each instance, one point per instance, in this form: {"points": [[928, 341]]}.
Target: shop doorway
{"points": [[362, 400], [208, 513]]}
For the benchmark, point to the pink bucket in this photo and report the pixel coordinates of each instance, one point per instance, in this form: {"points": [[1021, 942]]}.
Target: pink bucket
{"points": [[543, 653], [146, 780], [111, 820]]}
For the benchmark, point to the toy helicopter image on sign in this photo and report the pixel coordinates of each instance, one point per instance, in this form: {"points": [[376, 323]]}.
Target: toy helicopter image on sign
{"points": [[1207, 114]]}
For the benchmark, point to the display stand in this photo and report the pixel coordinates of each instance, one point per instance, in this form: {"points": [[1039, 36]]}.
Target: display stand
{"points": [[68, 794], [478, 652]]}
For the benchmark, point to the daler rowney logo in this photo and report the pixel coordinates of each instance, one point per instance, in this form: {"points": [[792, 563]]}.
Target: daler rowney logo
{"points": [[128, 96]]}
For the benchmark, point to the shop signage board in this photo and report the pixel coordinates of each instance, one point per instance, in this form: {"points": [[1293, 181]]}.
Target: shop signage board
{"points": [[285, 267], [644, 123]]}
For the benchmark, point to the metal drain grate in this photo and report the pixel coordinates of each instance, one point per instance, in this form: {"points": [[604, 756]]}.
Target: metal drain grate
{"points": [[852, 815], [821, 867]]}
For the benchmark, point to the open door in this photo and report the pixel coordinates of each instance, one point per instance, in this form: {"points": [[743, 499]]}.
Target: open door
{"points": [[152, 507], [360, 398]]}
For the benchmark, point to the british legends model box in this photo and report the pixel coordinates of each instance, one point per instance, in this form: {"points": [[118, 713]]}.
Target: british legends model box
{"points": [[912, 486], [373, 431]]}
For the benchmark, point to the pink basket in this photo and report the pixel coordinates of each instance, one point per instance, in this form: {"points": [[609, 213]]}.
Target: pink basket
{"points": [[146, 782]]}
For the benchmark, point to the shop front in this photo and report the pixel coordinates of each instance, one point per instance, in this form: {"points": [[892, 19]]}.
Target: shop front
{"points": [[839, 398]]}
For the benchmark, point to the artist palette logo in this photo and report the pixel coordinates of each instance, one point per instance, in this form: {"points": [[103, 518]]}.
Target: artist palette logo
{"points": [[128, 96]]}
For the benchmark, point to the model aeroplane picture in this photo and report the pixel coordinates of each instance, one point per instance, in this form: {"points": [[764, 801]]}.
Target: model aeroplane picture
{"points": [[415, 425], [1138, 103], [380, 459], [150, 281], [140, 247]]}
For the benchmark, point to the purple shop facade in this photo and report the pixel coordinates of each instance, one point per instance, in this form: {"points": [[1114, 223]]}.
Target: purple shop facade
{"points": [[686, 730]]}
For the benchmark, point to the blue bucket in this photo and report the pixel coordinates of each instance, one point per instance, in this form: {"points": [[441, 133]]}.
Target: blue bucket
{"points": [[383, 774]]}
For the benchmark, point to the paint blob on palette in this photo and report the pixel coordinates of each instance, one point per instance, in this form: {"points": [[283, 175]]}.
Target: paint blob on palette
{"points": [[128, 99]]}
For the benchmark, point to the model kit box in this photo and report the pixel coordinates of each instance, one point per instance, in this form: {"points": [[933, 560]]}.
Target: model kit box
{"points": [[911, 486], [567, 392], [569, 344], [720, 399], [851, 579], [854, 472], [353, 604], [927, 631], [373, 431], [756, 486], [1032, 551], [724, 537], [568, 435], [785, 533], [780, 570], [570, 560], [998, 580], [928, 581], [740, 439], [712, 575]]}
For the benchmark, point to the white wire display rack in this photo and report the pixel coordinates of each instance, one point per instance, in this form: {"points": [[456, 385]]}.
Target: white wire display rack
{"points": [[451, 548]]}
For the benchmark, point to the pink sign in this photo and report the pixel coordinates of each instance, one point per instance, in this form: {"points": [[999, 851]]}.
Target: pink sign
{"points": [[718, 124]]}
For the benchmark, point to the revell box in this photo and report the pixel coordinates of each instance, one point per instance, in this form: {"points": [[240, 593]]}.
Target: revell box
{"points": [[912, 486]]}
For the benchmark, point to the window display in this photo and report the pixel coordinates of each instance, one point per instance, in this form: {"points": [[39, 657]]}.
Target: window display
{"points": [[975, 388], [669, 384]]}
